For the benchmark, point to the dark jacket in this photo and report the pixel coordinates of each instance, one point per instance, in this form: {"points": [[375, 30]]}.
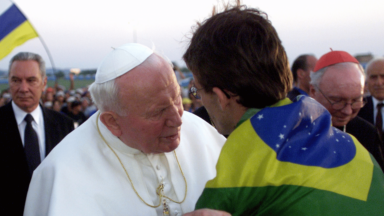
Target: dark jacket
{"points": [[15, 178], [368, 136], [367, 111]]}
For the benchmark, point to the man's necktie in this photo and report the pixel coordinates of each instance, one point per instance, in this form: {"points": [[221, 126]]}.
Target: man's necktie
{"points": [[379, 118], [31, 144]]}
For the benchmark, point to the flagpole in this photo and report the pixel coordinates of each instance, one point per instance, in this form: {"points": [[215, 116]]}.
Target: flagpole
{"points": [[41, 40]]}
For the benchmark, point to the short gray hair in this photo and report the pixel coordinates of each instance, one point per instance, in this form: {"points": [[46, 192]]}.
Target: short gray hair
{"points": [[106, 96], [373, 61], [316, 76], [25, 56]]}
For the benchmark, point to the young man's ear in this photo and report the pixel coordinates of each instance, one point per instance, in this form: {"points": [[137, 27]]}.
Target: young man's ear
{"points": [[109, 120], [223, 99]]}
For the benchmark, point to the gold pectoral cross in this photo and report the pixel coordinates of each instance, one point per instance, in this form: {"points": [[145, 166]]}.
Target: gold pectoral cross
{"points": [[165, 208], [160, 192]]}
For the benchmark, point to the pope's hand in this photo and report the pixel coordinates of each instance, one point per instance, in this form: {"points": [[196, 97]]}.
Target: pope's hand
{"points": [[207, 212]]}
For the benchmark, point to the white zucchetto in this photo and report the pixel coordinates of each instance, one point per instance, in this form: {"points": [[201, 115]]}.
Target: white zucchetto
{"points": [[121, 60]]}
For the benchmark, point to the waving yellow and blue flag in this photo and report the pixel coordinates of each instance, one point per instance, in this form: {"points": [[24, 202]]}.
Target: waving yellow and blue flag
{"points": [[15, 29]]}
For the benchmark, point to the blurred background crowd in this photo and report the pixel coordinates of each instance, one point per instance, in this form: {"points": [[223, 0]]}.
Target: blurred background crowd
{"points": [[77, 103]]}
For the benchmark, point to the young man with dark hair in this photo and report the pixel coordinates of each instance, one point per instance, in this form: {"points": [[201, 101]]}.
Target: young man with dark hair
{"points": [[281, 157]]}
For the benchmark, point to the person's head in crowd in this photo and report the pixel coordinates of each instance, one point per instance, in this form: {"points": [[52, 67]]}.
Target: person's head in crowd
{"points": [[60, 88], [77, 96], [245, 67], [67, 95], [375, 78], [84, 103], [70, 100], [50, 89], [338, 84], [27, 80], [145, 114], [49, 94], [56, 105], [48, 104], [301, 69], [60, 96], [76, 107], [80, 92]]}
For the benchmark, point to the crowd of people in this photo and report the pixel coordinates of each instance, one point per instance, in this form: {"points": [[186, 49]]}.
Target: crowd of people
{"points": [[75, 103], [264, 139]]}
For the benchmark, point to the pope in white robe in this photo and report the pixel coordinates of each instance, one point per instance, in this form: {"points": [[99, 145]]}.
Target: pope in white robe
{"points": [[82, 176], [93, 172]]}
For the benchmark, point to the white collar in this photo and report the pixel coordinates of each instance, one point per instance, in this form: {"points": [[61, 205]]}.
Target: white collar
{"points": [[20, 114]]}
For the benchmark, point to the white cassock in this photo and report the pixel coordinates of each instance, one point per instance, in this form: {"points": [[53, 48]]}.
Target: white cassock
{"points": [[82, 175]]}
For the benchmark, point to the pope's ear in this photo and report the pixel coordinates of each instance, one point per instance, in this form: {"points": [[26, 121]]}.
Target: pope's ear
{"points": [[109, 120], [223, 99]]}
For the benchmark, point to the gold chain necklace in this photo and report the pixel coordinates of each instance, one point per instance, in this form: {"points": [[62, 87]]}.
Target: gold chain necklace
{"points": [[159, 190]]}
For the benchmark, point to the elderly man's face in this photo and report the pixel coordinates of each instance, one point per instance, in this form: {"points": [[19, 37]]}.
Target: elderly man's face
{"points": [[344, 84], [26, 84], [375, 81], [151, 96]]}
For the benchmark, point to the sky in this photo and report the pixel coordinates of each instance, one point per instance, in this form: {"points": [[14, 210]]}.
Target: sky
{"points": [[80, 33]]}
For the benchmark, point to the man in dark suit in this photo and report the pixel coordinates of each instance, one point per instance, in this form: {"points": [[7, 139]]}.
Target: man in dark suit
{"points": [[338, 84], [28, 131], [367, 111], [301, 69], [375, 84]]}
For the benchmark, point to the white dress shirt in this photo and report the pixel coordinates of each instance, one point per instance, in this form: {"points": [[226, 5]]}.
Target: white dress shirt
{"points": [[37, 124]]}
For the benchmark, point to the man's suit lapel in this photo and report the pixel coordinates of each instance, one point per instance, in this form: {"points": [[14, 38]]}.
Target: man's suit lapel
{"points": [[14, 149]]}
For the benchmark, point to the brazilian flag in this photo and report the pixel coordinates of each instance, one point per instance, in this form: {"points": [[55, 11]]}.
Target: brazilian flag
{"points": [[288, 160]]}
